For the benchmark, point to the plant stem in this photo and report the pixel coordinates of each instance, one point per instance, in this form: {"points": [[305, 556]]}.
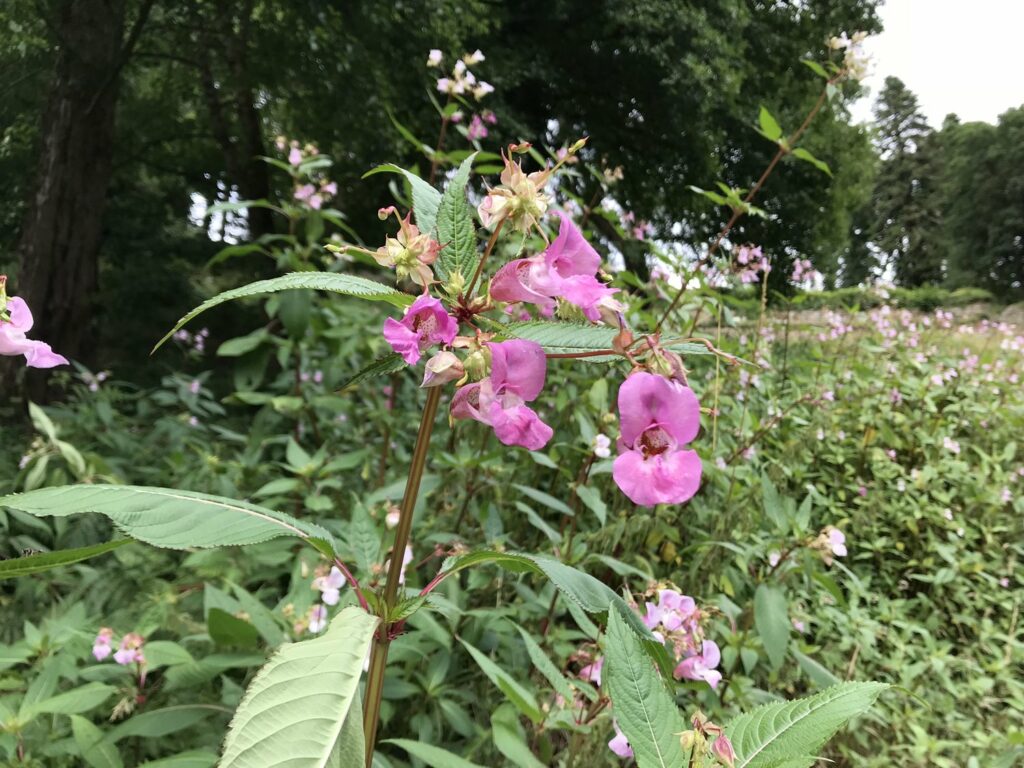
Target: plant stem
{"points": [[382, 641]]}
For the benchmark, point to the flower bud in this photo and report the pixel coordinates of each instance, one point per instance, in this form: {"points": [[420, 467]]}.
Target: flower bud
{"points": [[687, 739], [478, 363], [456, 283], [722, 749], [442, 368]]}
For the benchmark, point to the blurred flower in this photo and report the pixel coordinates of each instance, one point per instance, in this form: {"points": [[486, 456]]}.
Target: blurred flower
{"points": [[592, 672], [601, 445], [722, 749], [330, 585], [15, 321], [317, 618], [434, 58], [702, 666], [443, 367], [476, 129], [619, 743], [101, 645], [130, 650]]}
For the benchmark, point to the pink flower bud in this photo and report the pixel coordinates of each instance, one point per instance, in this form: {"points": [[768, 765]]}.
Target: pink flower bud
{"points": [[722, 749], [441, 368]]}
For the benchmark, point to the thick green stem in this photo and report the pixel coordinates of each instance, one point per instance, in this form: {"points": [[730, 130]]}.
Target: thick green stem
{"points": [[379, 652]]}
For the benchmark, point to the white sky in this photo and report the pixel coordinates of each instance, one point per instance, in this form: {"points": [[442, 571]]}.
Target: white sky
{"points": [[961, 56]]}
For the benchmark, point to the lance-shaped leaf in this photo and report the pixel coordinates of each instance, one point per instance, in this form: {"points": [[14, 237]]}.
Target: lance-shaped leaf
{"points": [[44, 561], [433, 756], [383, 365], [643, 707], [776, 734], [425, 199], [576, 338], [166, 517], [455, 230], [294, 711], [349, 285]]}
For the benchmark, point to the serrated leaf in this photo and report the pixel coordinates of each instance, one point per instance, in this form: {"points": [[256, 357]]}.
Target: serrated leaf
{"points": [[350, 748], [425, 199], [769, 125], [45, 561], [771, 617], [349, 285], [523, 699], [294, 710], [574, 338], [433, 756], [72, 702], [806, 156], [644, 710], [165, 517], [790, 731], [455, 230], [389, 363]]}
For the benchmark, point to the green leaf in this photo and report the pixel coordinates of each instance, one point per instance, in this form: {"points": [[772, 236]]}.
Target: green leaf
{"points": [[455, 230], [820, 676], [350, 748], [165, 517], [573, 338], [226, 629], [590, 496], [44, 561], [546, 667], [815, 67], [435, 757], [196, 758], [425, 199], [242, 345], [546, 499], [350, 285], [523, 700], [73, 702], [294, 710], [644, 710], [771, 618], [509, 738], [773, 734], [161, 722], [93, 748], [389, 363], [806, 156], [769, 126]]}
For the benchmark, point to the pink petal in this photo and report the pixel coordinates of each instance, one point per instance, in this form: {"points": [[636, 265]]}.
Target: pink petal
{"points": [[519, 425], [466, 403], [710, 653], [518, 366], [586, 292], [712, 677], [668, 478], [647, 400], [520, 280], [40, 355], [21, 315], [570, 254], [404, 341]]}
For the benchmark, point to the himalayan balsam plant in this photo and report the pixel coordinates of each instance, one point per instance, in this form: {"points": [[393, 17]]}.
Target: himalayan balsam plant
{"points": [[490, 337]]}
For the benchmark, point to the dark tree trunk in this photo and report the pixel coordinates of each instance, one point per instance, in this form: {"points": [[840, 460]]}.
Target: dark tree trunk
{"points": [[62, 229]]}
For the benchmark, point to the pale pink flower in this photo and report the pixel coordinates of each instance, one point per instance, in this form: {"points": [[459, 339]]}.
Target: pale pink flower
{"points": [[392, 517], [16, 321], [295, 156], [476, 129], [130, 650], [592, 672], [657, 417], [434, 58], [101, 645], [620, 744], [601, 445], [443, 367], [837, 541], [317, 619], [951, 445], [424, 324], [518, 370], [330, 585]]}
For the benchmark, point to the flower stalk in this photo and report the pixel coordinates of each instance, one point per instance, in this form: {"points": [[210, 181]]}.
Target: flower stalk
{"points": [[382, 641]]}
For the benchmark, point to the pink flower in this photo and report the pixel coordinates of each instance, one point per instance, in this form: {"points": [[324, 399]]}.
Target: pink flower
{"points": [[434, 58], [620, 744], [566, 270], [15, 322], [672, 611], [476, 129], [592, 672], [330, 585], [702, 666], [518, 369], [657, 417], [836, 541], [425, 323], [101, 645], [722, 749], [130, 650], [317, 618], [295, 156], [442, 368]]}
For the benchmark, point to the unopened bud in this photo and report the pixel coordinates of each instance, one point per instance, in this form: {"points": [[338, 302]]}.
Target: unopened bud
{"points": [[722, 749], [578, 145], [334, 248], [520, 149], [478, 363], [687, 739], [442, 368], [456, 283]]}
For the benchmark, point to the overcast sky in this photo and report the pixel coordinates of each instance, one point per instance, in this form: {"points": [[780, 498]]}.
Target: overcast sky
{"points": [[962, 56]]}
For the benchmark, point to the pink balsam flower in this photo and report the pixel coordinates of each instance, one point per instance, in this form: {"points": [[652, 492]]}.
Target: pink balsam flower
{"points": [[130, 650], [16, 321], [620, 744], [518, 369], [101, 645], [318, 619], [330, 585], [425, 324], [702, 666], [657, 417], [592, 672]]}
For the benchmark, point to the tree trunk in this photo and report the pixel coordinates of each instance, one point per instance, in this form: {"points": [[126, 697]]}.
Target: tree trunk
{"points": [[62, 229]]}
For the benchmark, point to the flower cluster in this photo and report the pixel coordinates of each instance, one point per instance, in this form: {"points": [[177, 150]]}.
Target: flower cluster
{"points": [[15, 322], [753, 263], [129, 650], [804, 272], [193, 342], [313, 192], [830, 543], [520, 198], [461, 80], [855, 58]]}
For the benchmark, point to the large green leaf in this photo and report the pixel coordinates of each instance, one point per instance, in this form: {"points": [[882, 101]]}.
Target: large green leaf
{"points": [[574, 338], [433, 756], [165, 517], [44, 561], [96, 751], [776, 734], [644, 710], [294, 710], [771, 617], [425, 199], [350, 285], [72, 702], [455, 230]]}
